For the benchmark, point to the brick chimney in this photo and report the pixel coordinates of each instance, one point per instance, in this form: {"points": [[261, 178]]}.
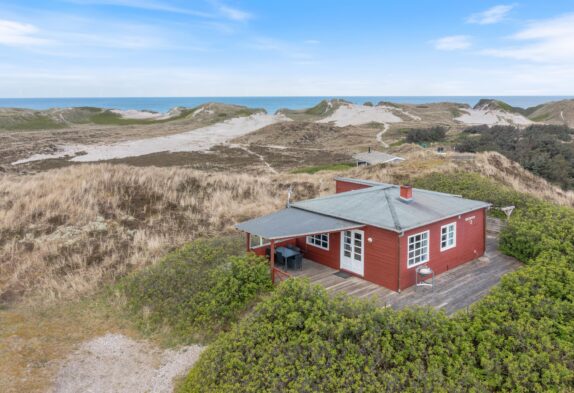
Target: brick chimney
{"points": [[407, 193]]}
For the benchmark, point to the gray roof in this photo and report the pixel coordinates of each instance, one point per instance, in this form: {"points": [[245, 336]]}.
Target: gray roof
{"points": [[292, 222], [381, 206], [376, 157]]}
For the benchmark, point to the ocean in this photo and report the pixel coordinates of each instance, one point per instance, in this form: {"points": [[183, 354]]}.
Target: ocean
{"points": [[270, 104]]}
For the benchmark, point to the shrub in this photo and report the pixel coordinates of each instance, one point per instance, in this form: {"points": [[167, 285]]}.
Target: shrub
{"points": [[420, 135], [196, 291], [539, 148], [301, 340]]}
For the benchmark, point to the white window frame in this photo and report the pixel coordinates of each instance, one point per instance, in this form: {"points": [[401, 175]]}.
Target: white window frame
{"points": [[442, 239], [409, 258], [317, 240], [262, 242]]}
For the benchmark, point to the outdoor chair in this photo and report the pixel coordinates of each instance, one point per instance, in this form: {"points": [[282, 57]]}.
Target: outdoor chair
{"points": [[296, 262], [294, 248], [279, 259]]}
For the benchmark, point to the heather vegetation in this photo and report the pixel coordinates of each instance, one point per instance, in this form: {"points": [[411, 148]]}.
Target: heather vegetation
{"points": [[546, 150], [197, 291], [520, 337], [426, 135]]}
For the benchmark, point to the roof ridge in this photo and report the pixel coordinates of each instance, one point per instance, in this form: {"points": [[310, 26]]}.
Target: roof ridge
{"points": [[347, 193], [393, 211]]}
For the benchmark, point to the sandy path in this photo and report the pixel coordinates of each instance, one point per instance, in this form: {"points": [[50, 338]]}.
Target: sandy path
{"points": [[116, 364], [380, 135], [351, 114], [200, 139], [261, 158]]}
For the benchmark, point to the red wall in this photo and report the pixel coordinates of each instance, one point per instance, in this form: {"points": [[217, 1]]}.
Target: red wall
{"points": [[325, 257], [344, 186], [381, 257], [469, 245]]}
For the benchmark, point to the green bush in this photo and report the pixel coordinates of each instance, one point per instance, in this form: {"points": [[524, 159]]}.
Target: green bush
{"points": [[474, 186], [420, 135], [301, 340], [197, 291]]}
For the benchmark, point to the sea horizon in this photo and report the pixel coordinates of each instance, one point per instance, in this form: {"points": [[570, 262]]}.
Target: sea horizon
{"points": [[269, 103]]}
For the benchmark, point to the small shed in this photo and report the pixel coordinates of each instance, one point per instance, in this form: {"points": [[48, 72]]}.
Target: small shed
{"points": [[375, 157]]}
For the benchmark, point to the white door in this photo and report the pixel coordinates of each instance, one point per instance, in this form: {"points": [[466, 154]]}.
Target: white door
{"points": [[353, 251]]}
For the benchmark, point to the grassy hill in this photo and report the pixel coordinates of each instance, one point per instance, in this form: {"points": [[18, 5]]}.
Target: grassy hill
{"points": [[14, 119]]}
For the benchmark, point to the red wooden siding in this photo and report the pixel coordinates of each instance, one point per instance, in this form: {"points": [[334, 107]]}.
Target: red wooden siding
{"points": [[328, 257], [344, 186], [381, 257], [469, 245]]}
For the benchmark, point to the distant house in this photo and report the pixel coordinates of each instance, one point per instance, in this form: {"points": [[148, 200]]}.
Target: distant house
{"points": [[380, 232], [375, 157]]}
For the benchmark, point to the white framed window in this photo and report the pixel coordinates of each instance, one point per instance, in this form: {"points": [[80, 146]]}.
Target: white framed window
{"points": [[448, 236], [418, 246], [321, 240], [258, 241]]}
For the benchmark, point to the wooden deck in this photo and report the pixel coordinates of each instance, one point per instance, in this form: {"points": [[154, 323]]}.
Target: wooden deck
{"points": [[453, 290]]}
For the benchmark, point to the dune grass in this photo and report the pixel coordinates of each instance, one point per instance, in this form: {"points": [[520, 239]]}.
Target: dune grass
{"points": [[326, 167]]}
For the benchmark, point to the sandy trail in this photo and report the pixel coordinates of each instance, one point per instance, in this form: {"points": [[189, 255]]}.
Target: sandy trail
{"points": [[492, 117], [261, 158], [116, 364], [200, 139], [380, 135], [351, 114]]}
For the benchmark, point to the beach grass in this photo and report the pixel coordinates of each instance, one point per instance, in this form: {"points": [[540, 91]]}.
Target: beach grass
{"points": [[311, 170]]}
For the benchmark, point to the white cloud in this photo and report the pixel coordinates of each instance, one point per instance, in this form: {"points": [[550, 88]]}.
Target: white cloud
{"points": [[549, 40], [234, 13], [492, 15], [19, 34], [150, 5], [453, 42]]}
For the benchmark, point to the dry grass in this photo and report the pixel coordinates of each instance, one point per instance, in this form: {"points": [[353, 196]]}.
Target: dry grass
{"points": [[64, 232]]}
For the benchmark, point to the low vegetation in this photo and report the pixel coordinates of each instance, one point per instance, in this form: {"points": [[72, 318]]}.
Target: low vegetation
{"points": [[197, 291], [518, 338], [425, 135], [546, 150], [326, 167]]}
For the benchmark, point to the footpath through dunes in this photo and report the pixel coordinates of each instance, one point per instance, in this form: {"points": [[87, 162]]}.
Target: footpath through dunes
{"points": [[200, 139], [116, 363]]}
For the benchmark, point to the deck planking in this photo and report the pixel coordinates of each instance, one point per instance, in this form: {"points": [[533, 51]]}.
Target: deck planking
{"points": [[453, 290]]}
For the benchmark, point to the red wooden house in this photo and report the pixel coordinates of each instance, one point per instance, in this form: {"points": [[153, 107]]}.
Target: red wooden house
{"points": [[380, 232]]}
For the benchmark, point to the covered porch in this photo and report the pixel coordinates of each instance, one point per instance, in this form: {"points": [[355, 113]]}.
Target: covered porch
{"points": [[453, 290], [297, 233]]}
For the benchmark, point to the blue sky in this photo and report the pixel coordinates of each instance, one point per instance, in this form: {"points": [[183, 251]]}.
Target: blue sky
{"points": [[82, 48]]}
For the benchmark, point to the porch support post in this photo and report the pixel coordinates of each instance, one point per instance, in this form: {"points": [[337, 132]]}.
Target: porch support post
{"points": [[248, 241], [272, 261]]}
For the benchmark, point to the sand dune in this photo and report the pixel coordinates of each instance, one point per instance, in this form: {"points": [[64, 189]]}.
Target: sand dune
{"points": [[142, 115], [200, 139], [351, 114], [492, 117]]}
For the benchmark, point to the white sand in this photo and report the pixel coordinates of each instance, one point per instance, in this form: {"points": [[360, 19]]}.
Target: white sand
{"points": [[403, 111], [142, 115], [492, 117], [351, 114], [200, 139], [116, 363]]}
